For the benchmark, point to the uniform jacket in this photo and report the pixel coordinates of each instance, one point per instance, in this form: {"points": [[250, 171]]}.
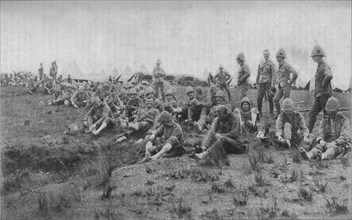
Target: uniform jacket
{"points": [[323, 77], [101, 112], [80, 97], [158, 73], [170, 134], [147, 114], [230, 128], [222, 76], [338, 130], [243, 75], [283, 74], [266, 72], [296, 120]]}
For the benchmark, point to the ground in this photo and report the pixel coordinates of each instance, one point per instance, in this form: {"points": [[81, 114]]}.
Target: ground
{"points": [[39, 163]]}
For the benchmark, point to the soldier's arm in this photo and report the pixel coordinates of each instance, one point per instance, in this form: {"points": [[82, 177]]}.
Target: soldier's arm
{"points": [[207, 140], [302, 126], [227, 75], [74, 99], [247, 73], [273, 74], [189, 113], [258, 74], [345, 137], [327, 76], [279, 125], [293, 71]]}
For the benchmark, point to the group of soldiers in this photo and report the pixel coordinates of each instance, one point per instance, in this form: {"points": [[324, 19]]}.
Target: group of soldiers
{"points": [[137, 108]]}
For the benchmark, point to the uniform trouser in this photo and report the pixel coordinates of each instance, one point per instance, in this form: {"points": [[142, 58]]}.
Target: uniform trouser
{"points": [[161, 86], [110, 122], [327, 152], [249, 128], [242, 89], [264, 90], [197, 112], [205, 119], [294, 136], [318, 105], [281, 92], [226, 88]]}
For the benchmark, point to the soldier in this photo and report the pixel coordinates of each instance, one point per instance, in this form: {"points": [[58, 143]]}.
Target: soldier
{"points": [[222, 76], [283, 79], [40, 72], [223, 138], [249, 117], [170, 104], [149, 94], [100, 116], [159, 73], [133, 104], [69, 80], [164, 139], [80, 98], [322, 89], [243, 75], [266, 78], [211, 99], [334, 134], [53, 71], [291, 128], [196, 106]]}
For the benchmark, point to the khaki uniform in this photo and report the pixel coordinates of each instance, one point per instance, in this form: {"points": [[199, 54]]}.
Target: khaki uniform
{"points": [[292, 128], [222, 76], [159, 73], [168, 134], [284, 89], [242, 80], [146, 118], [323, 92], [133, 105], [80, 98], [103, 114], [266, 78]]}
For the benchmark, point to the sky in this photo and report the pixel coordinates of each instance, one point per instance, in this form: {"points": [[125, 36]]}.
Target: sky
{"points": [[188, 37]]}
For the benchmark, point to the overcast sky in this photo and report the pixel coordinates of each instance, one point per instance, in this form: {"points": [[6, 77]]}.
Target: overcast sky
{"points": [[188, 37]]}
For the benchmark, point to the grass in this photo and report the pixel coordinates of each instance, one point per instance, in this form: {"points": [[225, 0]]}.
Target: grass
{"points": [[336, 207], [305, 194], [181, 209], [240, 198]]}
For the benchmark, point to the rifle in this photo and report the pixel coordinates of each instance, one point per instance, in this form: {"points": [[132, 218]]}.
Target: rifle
{"points": [[229, 81], [118, 77]]}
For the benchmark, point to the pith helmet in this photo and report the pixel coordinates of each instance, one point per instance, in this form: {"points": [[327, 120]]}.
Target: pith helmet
{"points": [[332, 104], [221, 94], [149, 90], [221, 67], [169, 92], [189, 89], [165, 118], [132, 91], [281, 53], [241, 57], [318, 51], [287, 105], [158, 61]]}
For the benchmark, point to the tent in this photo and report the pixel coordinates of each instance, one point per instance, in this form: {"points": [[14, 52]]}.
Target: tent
{"points": [[126, 74], [300, 83]]}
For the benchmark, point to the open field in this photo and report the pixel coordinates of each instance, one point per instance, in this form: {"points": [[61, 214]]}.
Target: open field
{"points": [[49, 175]]}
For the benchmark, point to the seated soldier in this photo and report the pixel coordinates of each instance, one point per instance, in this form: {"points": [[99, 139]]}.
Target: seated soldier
{"points": [[222, 139], [140, 90], [114, 102], [49, 86], [170, 103], [100, 116], [123, 97], [150, 94], [165, 138], [288, 125], [80, 98], [211, 97], [65, 97], [144, 120], [208, 119], [134, 103], [334, 138], [196, 107], [249, 116], [127, 86]]}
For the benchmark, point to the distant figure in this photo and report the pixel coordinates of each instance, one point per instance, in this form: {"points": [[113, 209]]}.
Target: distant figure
{"points": [[69, 80], [243, 75], [221, 77], [159, 74], [323, 90], [40, 72], [266, 78], [283, 79], [53, 70]]}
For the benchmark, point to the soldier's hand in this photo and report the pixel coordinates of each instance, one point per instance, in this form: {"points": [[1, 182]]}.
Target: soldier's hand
{"points": [[322, 143], [152, 137], [280, 138], [306, 140]]}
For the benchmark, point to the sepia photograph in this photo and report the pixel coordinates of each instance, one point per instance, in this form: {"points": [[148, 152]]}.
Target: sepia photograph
{"points": [[175, 110]]}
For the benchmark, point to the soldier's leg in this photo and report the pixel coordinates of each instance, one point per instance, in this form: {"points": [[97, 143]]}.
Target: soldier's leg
{"points": [[312, 115], [312, 154], [287, 91], [166, 148], [162, 91], [157, 85], [331, 152], [228, 92], [278, 95], [288, 133], [260, 96], [270, 98]]}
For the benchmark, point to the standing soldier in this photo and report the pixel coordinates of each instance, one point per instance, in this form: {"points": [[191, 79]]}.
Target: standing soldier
{"points": [[266, 78], [53, 70], [283, 79], [322, 89], [40, 72], [221, 77], [159, 73], [243, 75]]}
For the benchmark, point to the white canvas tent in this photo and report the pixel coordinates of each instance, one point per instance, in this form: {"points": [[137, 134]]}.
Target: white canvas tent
{"points": [[126, 74], [300, 82]]}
